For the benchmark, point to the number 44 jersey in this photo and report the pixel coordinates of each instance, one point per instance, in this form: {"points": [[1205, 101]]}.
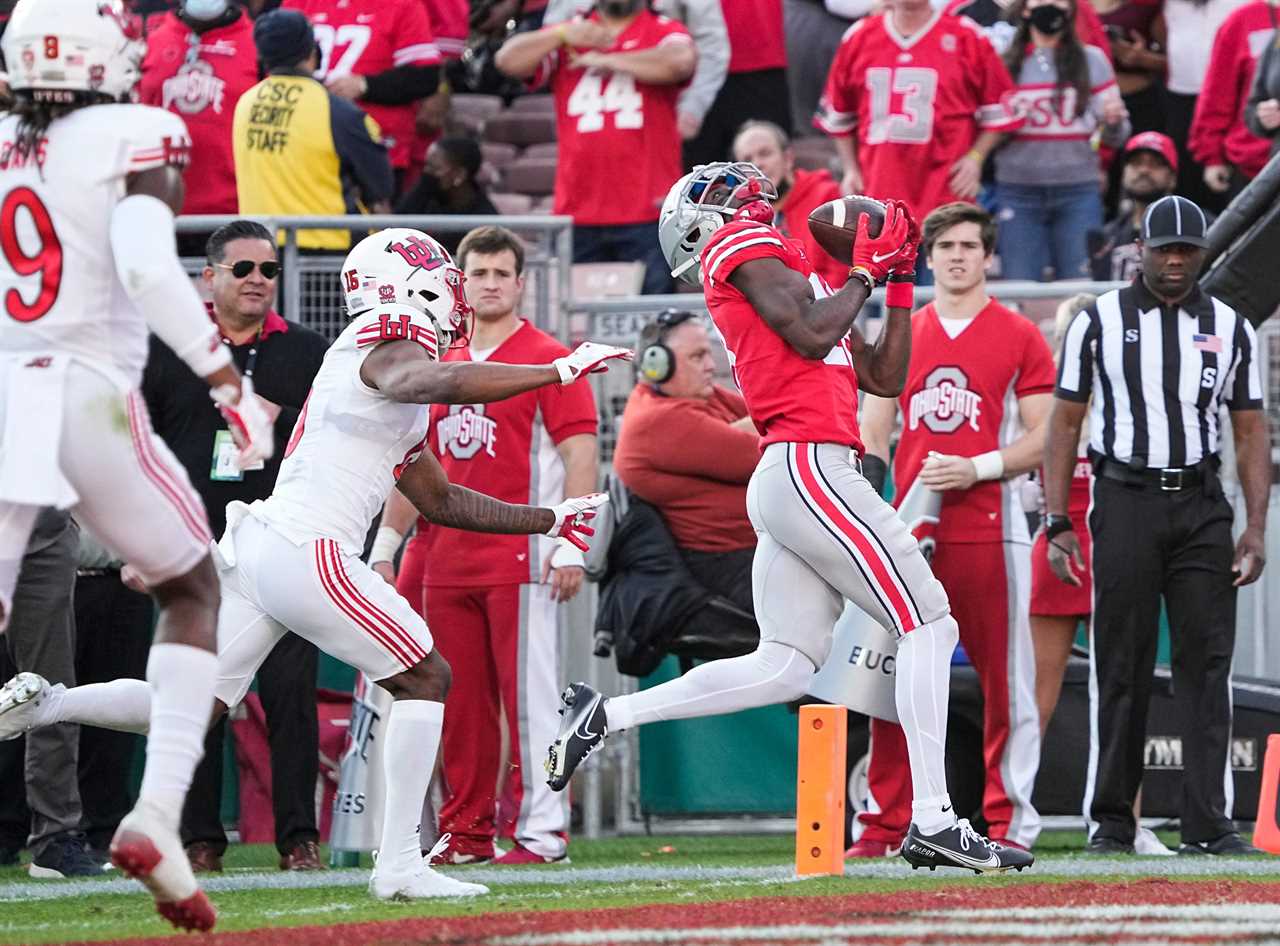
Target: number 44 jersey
{"points": [[619, 147], [58, 283], [916, 105]]}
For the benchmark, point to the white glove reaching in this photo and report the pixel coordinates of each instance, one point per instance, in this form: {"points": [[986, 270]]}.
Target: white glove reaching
{"points": [[572, 517], [589, 358], [247, 419]]}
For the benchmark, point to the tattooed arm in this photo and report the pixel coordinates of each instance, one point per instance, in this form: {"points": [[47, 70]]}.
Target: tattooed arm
{"points": [[425, 485]]}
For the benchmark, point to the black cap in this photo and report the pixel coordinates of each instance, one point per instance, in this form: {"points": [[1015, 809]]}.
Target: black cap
{"points": [[1174, 219], [283, 38]]}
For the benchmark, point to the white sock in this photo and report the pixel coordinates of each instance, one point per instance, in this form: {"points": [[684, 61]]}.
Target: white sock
{"points": [[772, 673], [921, 692], [181, 679], [409, 756], [123, 704]]}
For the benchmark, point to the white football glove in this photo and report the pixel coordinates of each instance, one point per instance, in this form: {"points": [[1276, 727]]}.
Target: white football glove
{"points": [[247, 419], [572, 517], [588, 358]]}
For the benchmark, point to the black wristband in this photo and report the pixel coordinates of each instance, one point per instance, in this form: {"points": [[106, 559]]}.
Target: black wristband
{"points": [[1056, 525], [876, 471]]}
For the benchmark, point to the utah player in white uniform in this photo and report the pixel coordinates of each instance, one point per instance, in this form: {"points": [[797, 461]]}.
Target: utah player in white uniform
{"points": [[88, 190], [291, 562]]}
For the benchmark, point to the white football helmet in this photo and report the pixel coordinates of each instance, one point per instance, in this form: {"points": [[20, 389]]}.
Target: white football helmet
{"points": [[400, 266], [64, 51], [699, 204]]}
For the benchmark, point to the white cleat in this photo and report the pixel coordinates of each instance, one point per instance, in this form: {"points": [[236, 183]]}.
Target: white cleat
{"points": [[28, 701], [147, 848], [421, 883]]}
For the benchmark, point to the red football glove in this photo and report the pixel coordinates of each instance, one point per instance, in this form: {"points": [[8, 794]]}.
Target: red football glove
{"points": [[878, 254], [905, 265], [572, 517]]}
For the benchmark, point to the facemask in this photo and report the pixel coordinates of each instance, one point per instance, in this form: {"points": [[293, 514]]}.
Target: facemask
{"points": [[204, 9], [1048, 19]]}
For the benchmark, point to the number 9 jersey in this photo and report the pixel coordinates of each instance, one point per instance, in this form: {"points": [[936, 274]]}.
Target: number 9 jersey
{"points": [[58, 284]]}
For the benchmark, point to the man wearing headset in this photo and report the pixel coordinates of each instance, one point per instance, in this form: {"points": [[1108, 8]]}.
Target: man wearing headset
{"points": [[700, 488]]}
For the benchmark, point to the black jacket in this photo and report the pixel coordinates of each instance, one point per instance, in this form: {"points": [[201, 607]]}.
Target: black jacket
{"points": [[1266, 85]]}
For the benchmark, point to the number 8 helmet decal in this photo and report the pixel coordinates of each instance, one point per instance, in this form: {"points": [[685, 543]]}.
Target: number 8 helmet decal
{"points": [[67, 51], [699, 204], [399, 266]]}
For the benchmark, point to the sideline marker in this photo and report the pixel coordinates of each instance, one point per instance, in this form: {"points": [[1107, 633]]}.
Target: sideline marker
{"points": [[820, 790], [1266, 832]]}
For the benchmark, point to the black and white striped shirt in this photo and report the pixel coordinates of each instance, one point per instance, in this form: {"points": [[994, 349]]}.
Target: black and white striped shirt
{"points": [[1158, 375]]}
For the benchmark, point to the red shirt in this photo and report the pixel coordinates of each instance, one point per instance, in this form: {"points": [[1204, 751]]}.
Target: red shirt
{"points": [[202, 84], [916, 105], [1218, 132], [756, 39], [619, 147], [448, 19], [701, 487], [790, 398], [810, 190], [961, 398], [506, 449], [366, 38]]}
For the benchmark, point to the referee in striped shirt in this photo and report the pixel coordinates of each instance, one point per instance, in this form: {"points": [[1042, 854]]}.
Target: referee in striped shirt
{"points": [[1153, 364]]}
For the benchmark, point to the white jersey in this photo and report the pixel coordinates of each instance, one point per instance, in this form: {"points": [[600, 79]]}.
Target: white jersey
{"points": [[351, 442], [58, 285]]}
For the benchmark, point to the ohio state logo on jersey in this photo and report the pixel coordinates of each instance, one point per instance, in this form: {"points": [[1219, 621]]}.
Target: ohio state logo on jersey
{"points": [[465, 430], [193, 89], [945, 402]]}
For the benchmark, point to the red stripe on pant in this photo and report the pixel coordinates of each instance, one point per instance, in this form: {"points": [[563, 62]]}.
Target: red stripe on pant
{"points": [[327, 580], [188, 506], [975, 579], [867, 548], [402, 637]]}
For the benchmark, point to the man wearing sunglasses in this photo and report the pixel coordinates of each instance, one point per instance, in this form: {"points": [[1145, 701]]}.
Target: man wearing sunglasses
{"points": [[282, 358]]}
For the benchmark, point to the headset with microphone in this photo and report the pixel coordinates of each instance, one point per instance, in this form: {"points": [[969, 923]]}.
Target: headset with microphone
{"points": [[657, 362]]}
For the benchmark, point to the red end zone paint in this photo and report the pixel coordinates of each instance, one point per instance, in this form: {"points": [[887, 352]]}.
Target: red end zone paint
{"points": [[758, 911]]}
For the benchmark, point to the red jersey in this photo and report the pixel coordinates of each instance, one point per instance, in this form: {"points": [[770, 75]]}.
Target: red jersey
{"points": [[916, 105], [200, 79], [961, 398], [448, 19], [790, 398], [756, 38], [366, 38], [810, 190], [1218, 132], [619, 147], [506, 449]]}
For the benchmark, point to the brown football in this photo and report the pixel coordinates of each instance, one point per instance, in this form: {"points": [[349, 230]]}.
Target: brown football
{"points": [[835, 223]]}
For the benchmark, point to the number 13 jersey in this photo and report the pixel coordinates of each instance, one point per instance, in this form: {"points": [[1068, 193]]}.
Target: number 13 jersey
{"points": [[915, 104], [58, 286], [619, 147]]}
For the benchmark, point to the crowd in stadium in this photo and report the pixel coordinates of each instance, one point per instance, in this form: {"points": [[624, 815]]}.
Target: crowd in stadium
{"points": [[1063, 120]]}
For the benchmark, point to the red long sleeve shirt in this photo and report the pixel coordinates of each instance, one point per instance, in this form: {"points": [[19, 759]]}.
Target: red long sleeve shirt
{"points": [[681, 455]]}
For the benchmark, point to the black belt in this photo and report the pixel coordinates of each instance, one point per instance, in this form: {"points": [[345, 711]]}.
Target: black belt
{"points": [[1168, 480]]}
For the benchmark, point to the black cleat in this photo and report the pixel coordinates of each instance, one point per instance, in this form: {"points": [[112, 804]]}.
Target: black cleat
{"points": [[1101, 844], [1228, 845], [582, 732], [961, 846]]}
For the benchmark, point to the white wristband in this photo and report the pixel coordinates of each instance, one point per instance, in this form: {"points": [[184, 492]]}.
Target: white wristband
{"points": [[565, 372], [385, 545], [989, 466], [568, 556]]}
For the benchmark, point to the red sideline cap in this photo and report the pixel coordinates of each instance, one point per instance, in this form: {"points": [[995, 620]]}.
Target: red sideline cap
{"points": [[1154, 141]]}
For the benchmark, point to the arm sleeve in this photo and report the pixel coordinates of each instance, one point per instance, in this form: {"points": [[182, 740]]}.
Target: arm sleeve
{"points": [[1090, 29], [1075, 369], [996, 111], [706, 26], [1243, 386], [1035, 375], [1258, 92], [1216, 106], [400, 85], [358, 141], [837, 113], [1102, 82]]}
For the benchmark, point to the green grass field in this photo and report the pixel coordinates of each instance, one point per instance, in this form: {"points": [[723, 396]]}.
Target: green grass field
{"points": [[610, 873]]}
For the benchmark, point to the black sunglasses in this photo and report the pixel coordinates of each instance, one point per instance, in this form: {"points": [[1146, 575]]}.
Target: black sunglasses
{"points": [[270, 269]]}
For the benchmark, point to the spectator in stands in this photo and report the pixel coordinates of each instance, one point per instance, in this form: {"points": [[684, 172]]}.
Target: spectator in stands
{"points": [[1150, 172], [756, 86], [299, 148], [700, 488], [448, 185], [1137, 39], [1231, 154], [281, 358], [768, 147], [449, 25], [812, 30], [993, 17], [1191, 24], [926, 146], [616, 76], [200, 59], [704, 20], [492, 601], [1262, 114], [379, 54], [1047, 174]]}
